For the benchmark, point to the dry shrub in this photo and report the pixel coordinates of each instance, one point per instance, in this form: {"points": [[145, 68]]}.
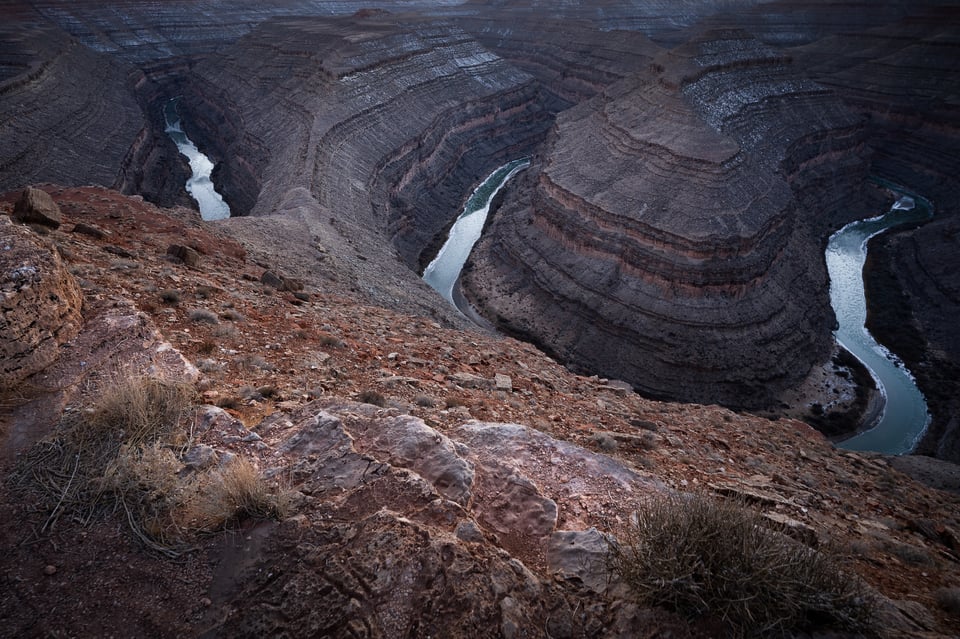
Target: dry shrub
{"points": [[121, 455], [373, 397], [232, 494], [949, 600], [90, 462], [705, 558]]}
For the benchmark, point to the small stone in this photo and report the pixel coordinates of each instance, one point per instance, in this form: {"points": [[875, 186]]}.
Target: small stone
{"points": [[503, 382], [87, 229], [50, 569], [272, 279], [206, 602], [190, 257], [252, 437]]}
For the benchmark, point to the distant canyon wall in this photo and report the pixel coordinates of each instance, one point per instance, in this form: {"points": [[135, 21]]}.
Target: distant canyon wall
{"points": [[672, 237]]}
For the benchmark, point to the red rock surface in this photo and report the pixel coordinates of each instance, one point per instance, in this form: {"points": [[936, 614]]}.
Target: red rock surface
{"points": [[370, 478]]}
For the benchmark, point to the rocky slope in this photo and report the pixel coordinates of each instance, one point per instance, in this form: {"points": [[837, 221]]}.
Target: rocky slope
{"points": [[664, 240], [470, 497]]}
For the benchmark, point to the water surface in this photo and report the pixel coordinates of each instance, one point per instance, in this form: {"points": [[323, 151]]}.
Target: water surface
{"points": [[905, 414], [442, 273], [199, 186]]}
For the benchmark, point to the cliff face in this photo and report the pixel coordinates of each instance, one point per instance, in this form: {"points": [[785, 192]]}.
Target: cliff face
{"points": [[386, 124], [666, 239], [66, 113]]}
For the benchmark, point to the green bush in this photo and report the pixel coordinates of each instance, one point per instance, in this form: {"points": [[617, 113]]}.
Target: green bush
{"points": [[705, 558]]}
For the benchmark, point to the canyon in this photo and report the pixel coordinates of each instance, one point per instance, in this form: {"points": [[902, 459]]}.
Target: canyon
{"points": [[688, 161]]}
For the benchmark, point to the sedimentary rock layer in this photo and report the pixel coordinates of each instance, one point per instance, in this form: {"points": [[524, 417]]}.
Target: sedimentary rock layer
{"points": [[385, 124], [669, 239], [39, 304], [573, 59], [66, 114]]}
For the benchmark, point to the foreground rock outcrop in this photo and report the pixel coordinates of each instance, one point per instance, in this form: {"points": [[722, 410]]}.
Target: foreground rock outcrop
{"points": [[427, 493], [39, 308], [664, 240]]}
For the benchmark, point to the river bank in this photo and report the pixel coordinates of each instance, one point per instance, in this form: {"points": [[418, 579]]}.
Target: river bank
{"points": [[902, 316]]}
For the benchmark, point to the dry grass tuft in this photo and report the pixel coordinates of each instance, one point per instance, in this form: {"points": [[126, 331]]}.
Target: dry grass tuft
{"points": [[233, 494], [87, 463], [705, 558], [120, 455]]}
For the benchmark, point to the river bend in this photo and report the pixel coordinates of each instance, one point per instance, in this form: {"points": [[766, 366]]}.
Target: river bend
{"points": [[905, 414], [199, 186]]}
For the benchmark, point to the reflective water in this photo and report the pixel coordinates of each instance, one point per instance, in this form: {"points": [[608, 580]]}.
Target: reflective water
{"points": [[905, 413], [199, 186], [443, 271]]}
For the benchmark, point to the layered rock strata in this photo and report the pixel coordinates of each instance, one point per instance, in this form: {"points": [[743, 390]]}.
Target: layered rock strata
{"points": [[671, 236], [902, 78], [66, 113], [40, 304], [575, 60], [383, 126]]}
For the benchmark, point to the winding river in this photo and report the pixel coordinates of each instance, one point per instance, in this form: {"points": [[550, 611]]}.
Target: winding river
{"points": [[199, 186], [442, 273], [905, 414]]}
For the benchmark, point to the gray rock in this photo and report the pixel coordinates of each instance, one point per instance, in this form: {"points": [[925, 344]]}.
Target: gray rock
{"points": [[408, 442], [580, 556], [468, 380], [469, 531], [200, 457], [503, 382], [272, 279], [88, 229]]}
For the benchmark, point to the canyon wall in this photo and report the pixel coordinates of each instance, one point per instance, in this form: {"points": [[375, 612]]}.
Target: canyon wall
{"points": [[67, 114], [388, 125], [668, 238]]}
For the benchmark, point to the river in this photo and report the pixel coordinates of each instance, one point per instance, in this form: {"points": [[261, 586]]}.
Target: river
{"points": [[199, 186], [905, 414], [442, 273]]}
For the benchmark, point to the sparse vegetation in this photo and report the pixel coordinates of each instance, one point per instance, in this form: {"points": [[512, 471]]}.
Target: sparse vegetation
{"points": [[604, 441], [425, 401], [455, 401], [206, 347], [232, 315], [326, 339], [120, 455], [373, 397], [949, 600], [255, 361], [232, 494], [706, 558], [202, 315], [170, 296]]}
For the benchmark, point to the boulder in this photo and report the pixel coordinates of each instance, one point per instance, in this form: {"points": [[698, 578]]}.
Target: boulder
{"points": [[37, 207], [40, 303]]}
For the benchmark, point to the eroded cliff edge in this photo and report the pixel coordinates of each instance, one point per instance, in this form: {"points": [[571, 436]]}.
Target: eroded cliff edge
{"points": [[671, 234]]}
